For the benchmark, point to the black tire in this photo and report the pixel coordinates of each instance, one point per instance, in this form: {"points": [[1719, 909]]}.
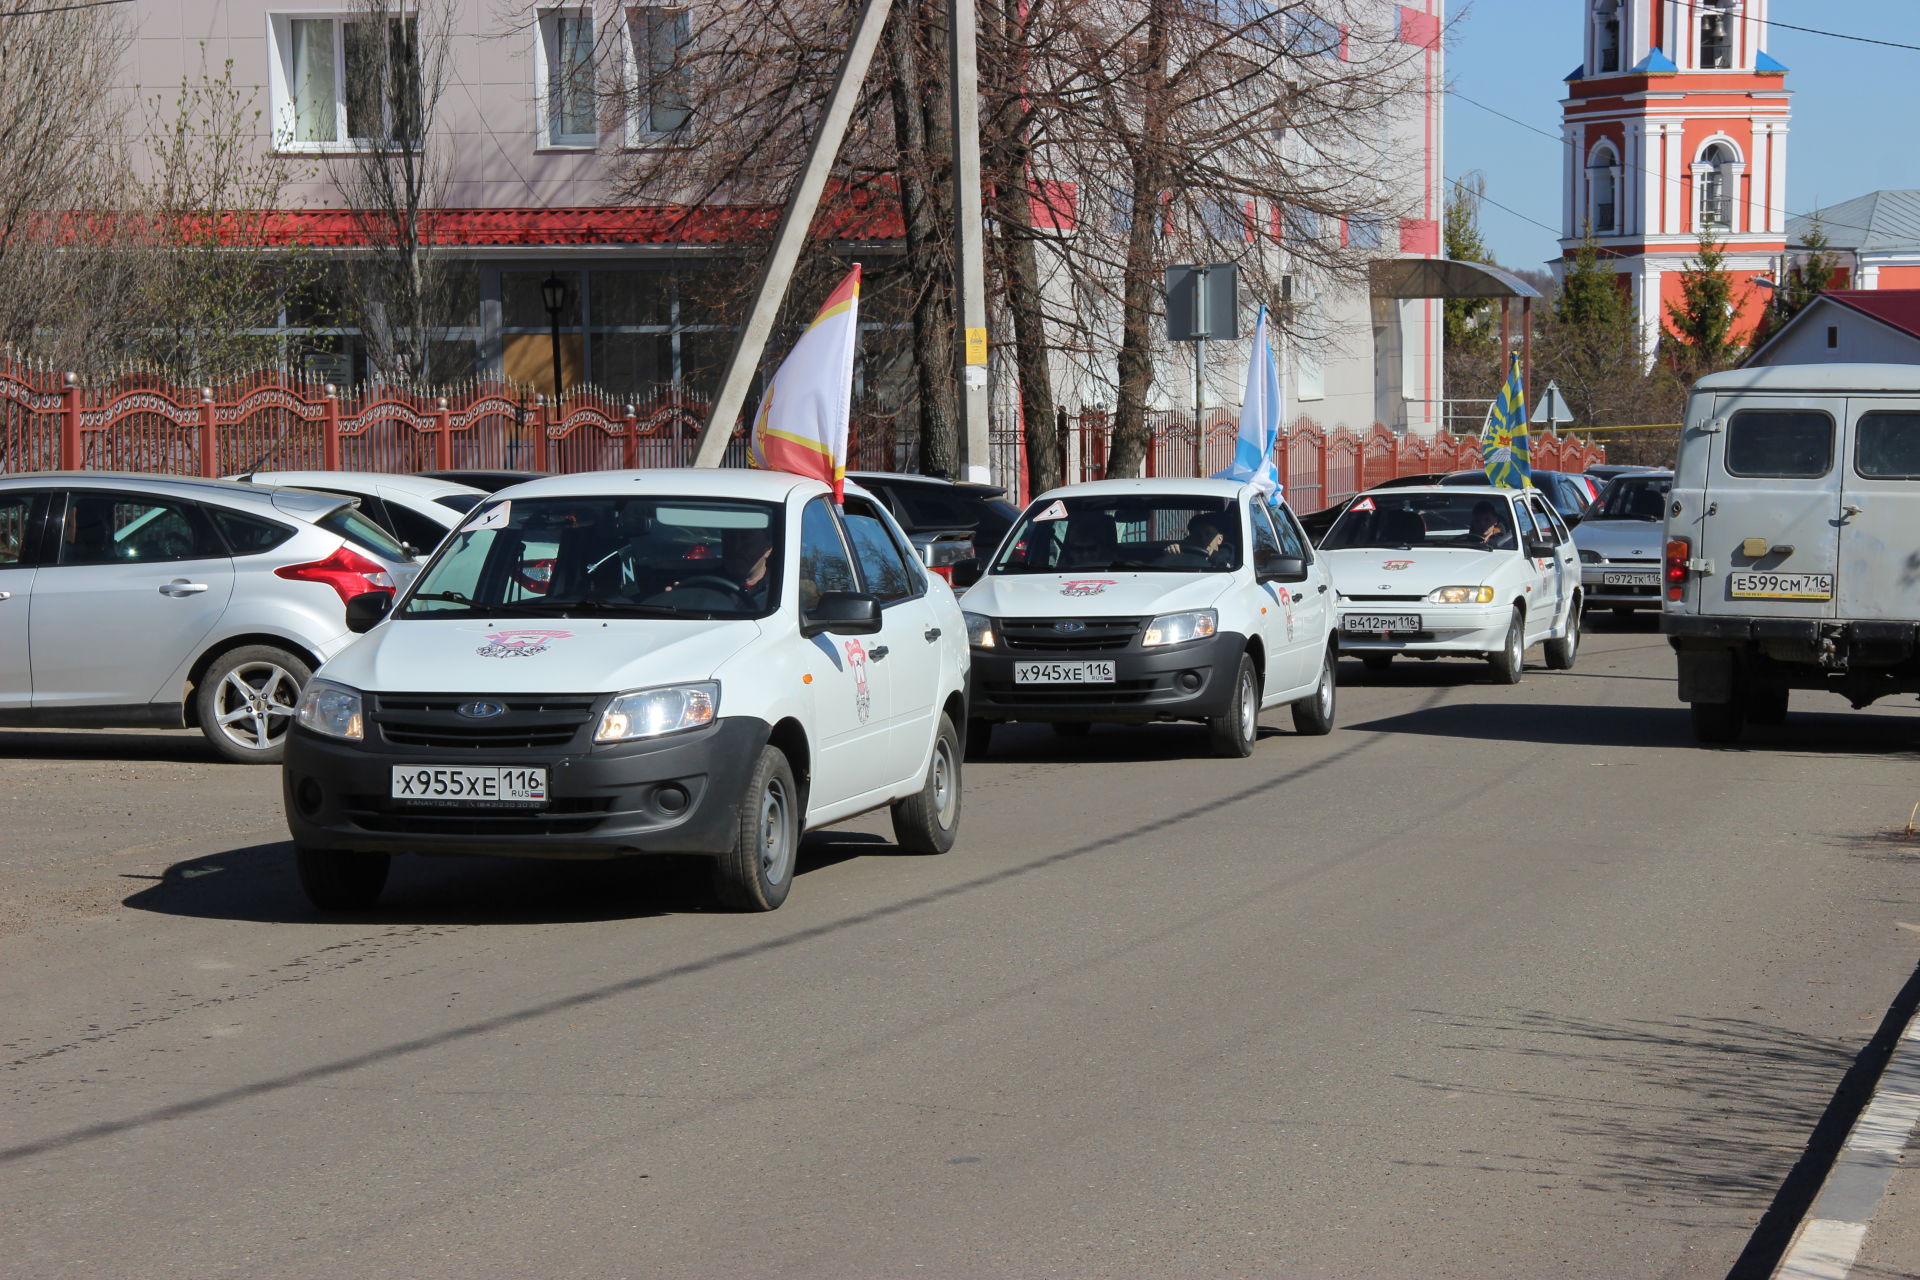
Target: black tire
{"points": [[1313, 714], [256, 689], [1715, 723], [1232, 732], [341, 879], [979, 738], [928, 820], [757, 872], [1561, 653], [1767, 704], [1376, 662], [1072, 728], [1511, 659]]}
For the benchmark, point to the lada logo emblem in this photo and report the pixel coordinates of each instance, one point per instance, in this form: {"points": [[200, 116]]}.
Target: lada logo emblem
{"points": [[1069, 626], [482, 709]]}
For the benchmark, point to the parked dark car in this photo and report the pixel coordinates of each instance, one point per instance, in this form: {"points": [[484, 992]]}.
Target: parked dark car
{"points": [[934, 512], [1569, 492], [481, 478], [1316, 523]]}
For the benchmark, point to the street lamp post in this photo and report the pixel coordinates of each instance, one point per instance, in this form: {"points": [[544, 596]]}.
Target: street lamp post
{"points": [[553, 294]]}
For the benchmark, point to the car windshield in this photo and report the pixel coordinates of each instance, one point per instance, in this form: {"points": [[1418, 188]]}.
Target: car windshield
{"points": [[1135, 533], [1405, 520], [1633, 498], [637, 557]]}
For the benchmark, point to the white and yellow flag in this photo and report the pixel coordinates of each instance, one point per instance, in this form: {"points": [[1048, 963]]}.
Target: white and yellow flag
{"points": [[802, 423]]}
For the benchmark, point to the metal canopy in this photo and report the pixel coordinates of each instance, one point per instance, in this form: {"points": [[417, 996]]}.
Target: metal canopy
{"points": [[1444, 278]]}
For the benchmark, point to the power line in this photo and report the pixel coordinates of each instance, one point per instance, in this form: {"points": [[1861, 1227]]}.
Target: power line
{"points": [[63, 8]]}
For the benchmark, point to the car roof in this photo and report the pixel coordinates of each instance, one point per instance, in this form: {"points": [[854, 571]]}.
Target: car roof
{"points": [[689, 482], [1448, 490], [1164, 486], [912, 477], [1858, 378], [423, 486], [301, 503]]}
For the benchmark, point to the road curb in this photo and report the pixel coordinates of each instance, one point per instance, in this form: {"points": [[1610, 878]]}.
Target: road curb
{"points": [[1828, 1239]]}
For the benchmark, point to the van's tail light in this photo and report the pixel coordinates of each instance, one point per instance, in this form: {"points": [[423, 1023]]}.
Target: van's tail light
{"points": [[941, 570], [1679, 551], [348, 572]]}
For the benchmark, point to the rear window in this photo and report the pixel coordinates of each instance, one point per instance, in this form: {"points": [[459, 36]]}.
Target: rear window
{"points": [[348, 523], [1887, 445], [1795, 444], [249, 535]]}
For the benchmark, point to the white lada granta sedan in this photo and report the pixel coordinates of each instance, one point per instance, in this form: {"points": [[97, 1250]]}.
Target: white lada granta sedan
{"points": [[1455, 572]]}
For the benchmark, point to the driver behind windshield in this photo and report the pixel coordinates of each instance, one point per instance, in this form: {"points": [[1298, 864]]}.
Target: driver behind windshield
{"points": [[742, 566], [1485, 530], [1209, 535], [1092, 541]]}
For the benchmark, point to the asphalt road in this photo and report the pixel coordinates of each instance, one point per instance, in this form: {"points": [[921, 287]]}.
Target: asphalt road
{"points": [[1490, 982]]}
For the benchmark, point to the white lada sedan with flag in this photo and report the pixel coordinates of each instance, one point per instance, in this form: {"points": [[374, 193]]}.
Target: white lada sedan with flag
{"points": [[1455, 572], [1131, 601], [634, 662]]}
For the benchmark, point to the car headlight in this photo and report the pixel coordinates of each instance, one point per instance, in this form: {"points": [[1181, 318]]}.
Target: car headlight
{"points": [[1460, 595], [649, 713], [1178, 628], [1591, 557], [332, 709], [980, 631]]}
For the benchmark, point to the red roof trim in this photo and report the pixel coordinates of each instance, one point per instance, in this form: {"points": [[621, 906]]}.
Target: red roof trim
{"points": [[545, 228], [1899, 308]]}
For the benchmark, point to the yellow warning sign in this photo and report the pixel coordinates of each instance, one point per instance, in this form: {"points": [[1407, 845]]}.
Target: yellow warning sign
{"points": [[976, 346]]}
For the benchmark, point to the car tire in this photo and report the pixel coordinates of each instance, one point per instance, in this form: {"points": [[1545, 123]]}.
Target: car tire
{"points": [[1562, 652], [1511, 660], [757, 872], [1376, 662], [1232, 732], [1313, 715], [1072, 728], [1767, 704], [979, 738], [1718, 723], [929, 820], [341, 879], [244, 702]]}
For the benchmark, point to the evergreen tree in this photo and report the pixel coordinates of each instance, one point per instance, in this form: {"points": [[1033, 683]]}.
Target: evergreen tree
{"points": [[1469, 326], [1702, 324], [1590, 295], [1803, 283]]}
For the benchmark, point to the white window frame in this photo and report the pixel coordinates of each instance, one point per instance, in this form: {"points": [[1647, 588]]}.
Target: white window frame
{"points": [[1607, 13], [1596, 172], [545, 59], [639, 132], [1729, 174], [1707, 10], [280, 84]]}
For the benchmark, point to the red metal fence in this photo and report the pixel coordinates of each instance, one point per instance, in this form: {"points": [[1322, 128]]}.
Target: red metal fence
{"points": [[272, 422]]}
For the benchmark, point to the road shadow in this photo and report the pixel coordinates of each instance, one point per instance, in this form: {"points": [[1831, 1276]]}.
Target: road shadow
{"points": [[1643, 621], [1575, 725], [1022, 743], [182, 746], [257, 884]]}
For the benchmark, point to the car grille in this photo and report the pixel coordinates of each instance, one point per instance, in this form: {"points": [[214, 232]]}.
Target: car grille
{"points": [[1385, 599], [1118, 693], [1041, 635], [1631, 560], [433, 720], [564, 815]]}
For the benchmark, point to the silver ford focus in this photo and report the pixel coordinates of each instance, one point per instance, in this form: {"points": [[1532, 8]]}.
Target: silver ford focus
{"points": [[134, 600]]}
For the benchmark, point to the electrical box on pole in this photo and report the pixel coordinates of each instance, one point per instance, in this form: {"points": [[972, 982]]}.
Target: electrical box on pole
{"points": [[1203, 301]]}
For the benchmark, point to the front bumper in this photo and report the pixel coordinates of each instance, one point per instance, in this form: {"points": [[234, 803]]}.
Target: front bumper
{"points": [[1598, 595], [1192, 681], [1450, 629], [604, 801]]}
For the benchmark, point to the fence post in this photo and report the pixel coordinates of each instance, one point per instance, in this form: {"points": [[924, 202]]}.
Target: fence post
{"points": [[1320, 471], [330, 429], [630, 452], [70, 423], [540, 416], [442, 435], [209, 435]]}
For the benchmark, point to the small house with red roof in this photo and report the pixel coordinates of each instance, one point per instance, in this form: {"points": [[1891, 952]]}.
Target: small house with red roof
{"points": [[1848, 326]]}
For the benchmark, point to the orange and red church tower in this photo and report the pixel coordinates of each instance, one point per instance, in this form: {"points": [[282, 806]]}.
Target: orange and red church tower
{"points": [[1676, 125]]}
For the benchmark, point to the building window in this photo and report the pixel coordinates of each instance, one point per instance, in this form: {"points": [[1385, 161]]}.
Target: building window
{"points": [[1603, 190], [1716, 35], [658, 39], [1714, 175], [1606, 36], [566, 67], [345, 83]]}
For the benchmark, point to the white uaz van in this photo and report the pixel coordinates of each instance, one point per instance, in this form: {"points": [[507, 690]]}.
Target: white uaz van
{"points": [[1133, 601], [1792, 557], [625, 662]]}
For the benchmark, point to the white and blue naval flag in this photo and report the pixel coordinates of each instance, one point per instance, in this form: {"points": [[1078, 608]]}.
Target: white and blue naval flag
{"points": [[1261, 411]]}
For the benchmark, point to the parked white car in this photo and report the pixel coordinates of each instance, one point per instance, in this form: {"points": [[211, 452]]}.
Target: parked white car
{"points": [[1132, 601], [418, 510], [162, 601], [1455, 572], [707, 662]]}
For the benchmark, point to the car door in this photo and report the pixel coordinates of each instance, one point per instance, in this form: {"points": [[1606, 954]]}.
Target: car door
{"points": [[20, 512], [851, 692], [1771, 490], [1289, 643], [133, 583], [908, 641], [1313, 605], [1562, 568], [1536, 578], [1879, 558]]}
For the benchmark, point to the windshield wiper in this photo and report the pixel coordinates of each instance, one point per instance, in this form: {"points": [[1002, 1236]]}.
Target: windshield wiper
{"points": [[593, 605], [450, 597]]}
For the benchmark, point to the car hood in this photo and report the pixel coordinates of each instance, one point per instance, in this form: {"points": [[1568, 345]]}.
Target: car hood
{"points": [[537, 655], [1112, 594], [1616, 539], [1374, 571]]}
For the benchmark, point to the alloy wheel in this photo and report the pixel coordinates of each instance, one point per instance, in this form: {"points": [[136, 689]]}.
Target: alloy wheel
{"points": [[254, 706]]}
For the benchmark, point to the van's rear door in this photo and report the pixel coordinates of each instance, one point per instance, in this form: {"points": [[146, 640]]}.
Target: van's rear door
{"points": [[1773, 506], [1880, 510]]}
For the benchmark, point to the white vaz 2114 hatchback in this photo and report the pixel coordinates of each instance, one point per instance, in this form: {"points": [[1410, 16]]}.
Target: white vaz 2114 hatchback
{"points": [[1131, 601], [1457, 573], [635, 662]]}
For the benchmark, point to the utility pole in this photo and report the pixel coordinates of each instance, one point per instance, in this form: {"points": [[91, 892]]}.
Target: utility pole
{"points": [[969, 241], [791, 235]]}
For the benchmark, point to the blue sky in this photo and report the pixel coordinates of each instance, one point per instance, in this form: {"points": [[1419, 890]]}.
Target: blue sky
{"points": [[1853, 107]]}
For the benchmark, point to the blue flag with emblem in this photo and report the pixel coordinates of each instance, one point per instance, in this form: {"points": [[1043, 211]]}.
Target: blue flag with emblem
{"points": [[1505, 451], [1260, 413]]}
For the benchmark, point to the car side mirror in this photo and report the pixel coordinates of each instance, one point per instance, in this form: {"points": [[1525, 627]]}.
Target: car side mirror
{"points": [[1276, 567], [844, 613], [1571, 520], [368, 610], [1539, 547], [964, 573]]}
